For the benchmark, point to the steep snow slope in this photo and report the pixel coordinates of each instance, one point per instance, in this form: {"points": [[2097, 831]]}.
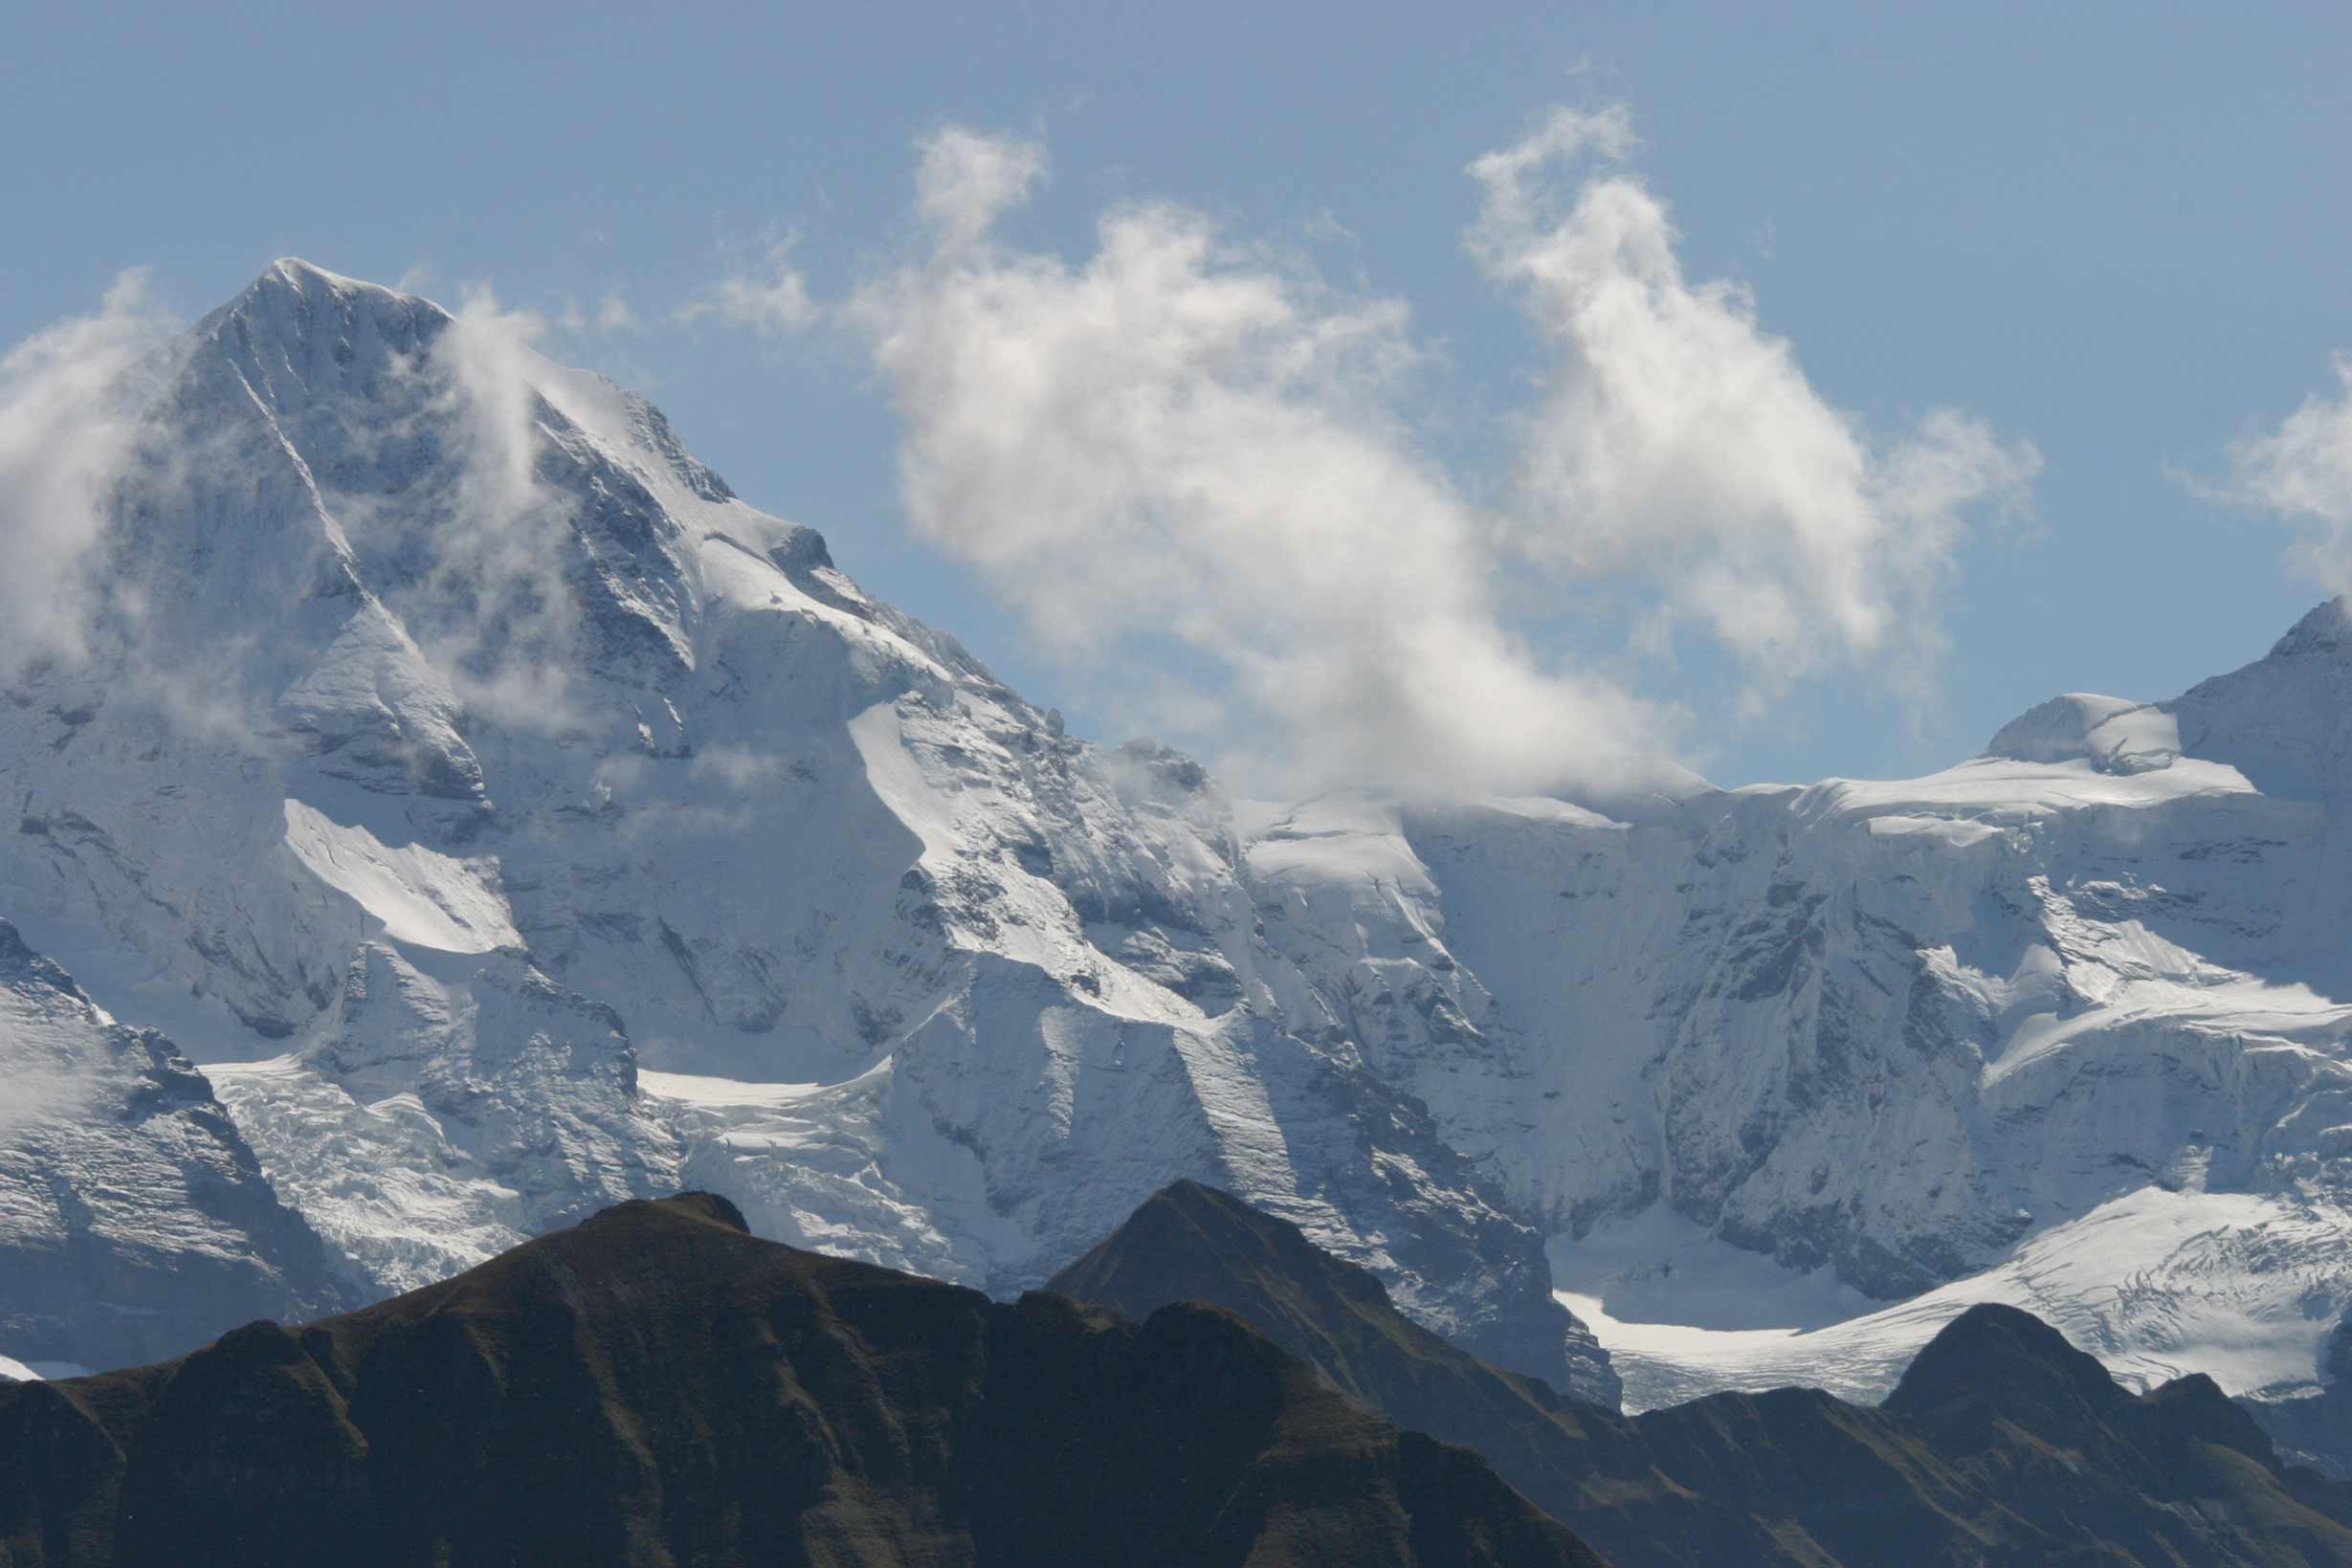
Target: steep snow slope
{"points": [[132, 1217], [445, 1107], [461, 740]]}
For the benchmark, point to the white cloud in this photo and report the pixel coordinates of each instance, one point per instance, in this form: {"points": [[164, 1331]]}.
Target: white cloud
{"points": [[1186, 439], [765, 293], [505, 620], [66, 1091], [1189, 439], [470, 552], [740, 768], [1679, 444], [1185, 442], [487, 354], [70, 401], [2303, 472], [964, 181]]}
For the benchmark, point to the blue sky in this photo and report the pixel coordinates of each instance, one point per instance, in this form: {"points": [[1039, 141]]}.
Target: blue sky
{"points": [[2118, 234]]}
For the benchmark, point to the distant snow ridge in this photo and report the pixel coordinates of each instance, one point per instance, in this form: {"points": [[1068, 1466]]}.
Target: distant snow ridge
{"points": [[467, 745], [1959, 1028]]}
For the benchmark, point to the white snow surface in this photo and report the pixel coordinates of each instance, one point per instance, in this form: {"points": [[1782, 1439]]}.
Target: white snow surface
{"points": [[134, 1221], [420, 897], [2156, 1283], [547, 826], [38, 1371]]}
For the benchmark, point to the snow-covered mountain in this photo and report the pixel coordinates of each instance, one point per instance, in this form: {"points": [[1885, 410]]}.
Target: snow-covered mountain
{"points": [[463, 743], [2064, 1026], [513, 821]]}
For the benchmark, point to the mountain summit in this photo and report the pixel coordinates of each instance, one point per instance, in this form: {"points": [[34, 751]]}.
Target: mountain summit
{"points": [[514, 822]]}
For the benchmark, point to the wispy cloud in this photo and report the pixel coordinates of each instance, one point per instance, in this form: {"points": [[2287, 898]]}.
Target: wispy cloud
{"points": [[2302, 471], [610, 314], [71, 402], [964, 181], [498, 603], [1186, 437], [762, 292]]}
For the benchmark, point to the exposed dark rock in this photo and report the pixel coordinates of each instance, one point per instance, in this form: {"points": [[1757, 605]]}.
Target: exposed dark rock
{"points": [[656, 1386], [2003, 1444]]}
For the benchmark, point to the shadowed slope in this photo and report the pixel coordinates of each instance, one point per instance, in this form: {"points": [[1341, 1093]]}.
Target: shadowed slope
{"points": [[656, 1386], [2003, 1443]]}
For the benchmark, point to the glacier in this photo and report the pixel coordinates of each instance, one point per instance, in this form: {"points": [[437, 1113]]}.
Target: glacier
{"points": [[511, 820]]}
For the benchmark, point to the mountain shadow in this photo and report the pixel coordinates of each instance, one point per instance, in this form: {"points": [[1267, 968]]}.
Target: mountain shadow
{"points": [[2316, 1428], [2002, 1444], [656, 1386]]}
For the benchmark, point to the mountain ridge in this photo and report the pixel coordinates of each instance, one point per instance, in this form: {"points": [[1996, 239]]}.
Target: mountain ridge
{"points": [[2001, 1443], [655, 1384]]}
